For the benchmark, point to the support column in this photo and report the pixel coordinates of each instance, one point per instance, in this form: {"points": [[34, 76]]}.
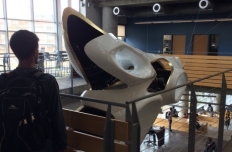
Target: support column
{"points": [[184, 103], [218, 101], [109, 21]]}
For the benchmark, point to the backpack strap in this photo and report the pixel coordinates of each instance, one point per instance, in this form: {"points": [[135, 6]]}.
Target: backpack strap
{"points": [[8, 76], [36, 74]]}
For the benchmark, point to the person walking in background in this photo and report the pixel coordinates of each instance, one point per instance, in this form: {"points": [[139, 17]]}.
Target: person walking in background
{"points": [[227, 121], [210, 110], [227, 113], [170, 115]]}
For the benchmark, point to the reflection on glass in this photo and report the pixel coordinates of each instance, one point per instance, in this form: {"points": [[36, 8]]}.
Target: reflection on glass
{"points": [[15, 25], [167, 44], [44, 27], [2, 38], [2, 24], [1, 9], [44, 10], [46, 38], [18, 9]]}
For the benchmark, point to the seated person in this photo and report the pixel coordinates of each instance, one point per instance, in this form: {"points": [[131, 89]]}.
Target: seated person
{"points": [[202, 110], [198, 126]]}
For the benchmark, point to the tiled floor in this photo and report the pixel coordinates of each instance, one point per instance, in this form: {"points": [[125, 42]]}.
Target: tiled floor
{"points": [[176, 141]]}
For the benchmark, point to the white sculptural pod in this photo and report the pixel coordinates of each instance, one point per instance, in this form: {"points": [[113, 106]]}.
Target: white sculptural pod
{"points": [[123, 61], [177, 77], [116, 59]]}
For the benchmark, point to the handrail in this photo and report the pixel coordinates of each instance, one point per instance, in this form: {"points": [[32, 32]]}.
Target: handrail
{"points": [[94, 100], [179, 86]]}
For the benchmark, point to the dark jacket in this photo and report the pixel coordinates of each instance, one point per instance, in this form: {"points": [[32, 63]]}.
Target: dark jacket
{"points": [[210, 147], [53, 107]]}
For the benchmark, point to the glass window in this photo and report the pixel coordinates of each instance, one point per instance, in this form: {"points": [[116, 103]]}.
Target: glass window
{"points": [[2, 24], [75, 4], [2, 49], [45, 27], [44, 10], [15, 25], [48, 48], [46, 38], [9, 35], [63, 5], [1, 9], [19, 9], [63, 44], [2, 38]]}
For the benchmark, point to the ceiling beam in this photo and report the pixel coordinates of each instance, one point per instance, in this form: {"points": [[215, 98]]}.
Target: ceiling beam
{"points": [[108, 3]]}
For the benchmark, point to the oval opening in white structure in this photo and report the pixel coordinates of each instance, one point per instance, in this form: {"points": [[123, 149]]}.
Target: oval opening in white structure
{"points": [[133, 62]]}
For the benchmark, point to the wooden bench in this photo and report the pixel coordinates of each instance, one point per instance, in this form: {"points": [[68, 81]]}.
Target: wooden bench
{"points": [[85, 132]]}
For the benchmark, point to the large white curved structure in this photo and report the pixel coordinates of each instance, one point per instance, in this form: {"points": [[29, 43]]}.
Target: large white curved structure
{"points": [[118, 72]]}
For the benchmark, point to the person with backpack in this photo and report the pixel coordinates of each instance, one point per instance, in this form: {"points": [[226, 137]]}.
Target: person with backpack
{"points": [[31, 112]]}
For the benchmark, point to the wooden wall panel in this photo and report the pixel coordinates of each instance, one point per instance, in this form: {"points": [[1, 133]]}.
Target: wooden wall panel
{"points": [[200, 66], [200, 44], [178, 44]]}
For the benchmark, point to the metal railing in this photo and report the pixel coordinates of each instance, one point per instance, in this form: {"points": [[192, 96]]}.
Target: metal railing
{"points": [[132, 115], [58, 67]]}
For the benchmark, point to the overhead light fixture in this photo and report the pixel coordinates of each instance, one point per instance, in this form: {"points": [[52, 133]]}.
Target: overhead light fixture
{"points": [[157, 8], [116, 10], [205, 4]]}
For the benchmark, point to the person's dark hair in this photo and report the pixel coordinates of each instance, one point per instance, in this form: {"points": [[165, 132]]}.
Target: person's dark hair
{"points": [[170, 108], [23, 43], [209, 105], [209, 138]]}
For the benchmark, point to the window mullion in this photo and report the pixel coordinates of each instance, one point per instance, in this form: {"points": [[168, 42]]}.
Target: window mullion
{"points": [[32, 15]]}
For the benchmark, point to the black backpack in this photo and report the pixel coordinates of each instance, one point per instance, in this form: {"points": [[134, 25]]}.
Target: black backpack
{"points": [[22, 115], [167, 115]]}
